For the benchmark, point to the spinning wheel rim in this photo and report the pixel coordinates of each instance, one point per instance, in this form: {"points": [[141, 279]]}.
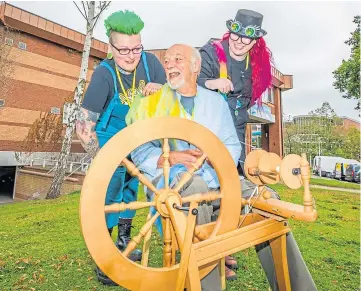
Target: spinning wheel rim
{"points": [[101, 247]]}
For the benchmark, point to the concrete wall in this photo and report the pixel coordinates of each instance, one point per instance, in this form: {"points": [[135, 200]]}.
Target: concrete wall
{"points": [[33, 186]]}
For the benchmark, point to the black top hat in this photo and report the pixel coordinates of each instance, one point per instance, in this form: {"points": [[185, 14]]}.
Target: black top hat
{"points": [[247, 23]]}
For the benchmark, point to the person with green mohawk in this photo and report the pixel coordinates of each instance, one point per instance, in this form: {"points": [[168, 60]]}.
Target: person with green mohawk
{"points": [[127, 72]]}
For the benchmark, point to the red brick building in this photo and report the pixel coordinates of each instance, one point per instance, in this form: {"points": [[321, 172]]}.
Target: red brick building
{"points": [[350, 122], [46, 62]]}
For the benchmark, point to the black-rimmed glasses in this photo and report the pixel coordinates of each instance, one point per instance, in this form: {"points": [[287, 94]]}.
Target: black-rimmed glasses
{"points": [[124, 51], [244, 40]]}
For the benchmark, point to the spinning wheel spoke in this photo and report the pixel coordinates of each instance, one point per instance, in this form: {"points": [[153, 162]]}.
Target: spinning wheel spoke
{"points": [[118, 207], [167, 250], [189, 174], [166, 164], [146, 244], [142, 233], [134, 171], [199, 197]]}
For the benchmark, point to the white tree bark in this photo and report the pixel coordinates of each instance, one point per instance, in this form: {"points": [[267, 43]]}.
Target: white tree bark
{"points": [[60, 170]]}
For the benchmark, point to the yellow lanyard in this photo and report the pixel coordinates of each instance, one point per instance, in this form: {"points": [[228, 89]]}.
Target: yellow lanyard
{"points": [[185, 113], [129, 101]]}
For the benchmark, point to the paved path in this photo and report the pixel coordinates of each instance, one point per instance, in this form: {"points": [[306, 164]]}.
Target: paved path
{"points": [[5, 199], [336, 189]]}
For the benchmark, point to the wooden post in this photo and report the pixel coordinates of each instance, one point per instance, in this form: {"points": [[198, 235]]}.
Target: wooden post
{"points": [[305, 175], [279, 254], [222, 271]]}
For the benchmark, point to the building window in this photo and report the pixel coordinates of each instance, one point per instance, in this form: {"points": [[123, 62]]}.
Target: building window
{"points": [[22, 45], [55, 110], [9, 41], [2, 103], [267, 96], [256, 136], [70, 52]]}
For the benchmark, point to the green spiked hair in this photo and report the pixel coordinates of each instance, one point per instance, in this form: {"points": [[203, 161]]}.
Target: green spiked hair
{"points": [[126, 22]]}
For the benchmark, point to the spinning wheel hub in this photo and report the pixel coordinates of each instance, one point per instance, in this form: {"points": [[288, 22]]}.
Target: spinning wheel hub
{"points": [[160, 201]]}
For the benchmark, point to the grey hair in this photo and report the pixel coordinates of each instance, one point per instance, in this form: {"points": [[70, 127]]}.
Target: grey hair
{"points": [[196, 55]]}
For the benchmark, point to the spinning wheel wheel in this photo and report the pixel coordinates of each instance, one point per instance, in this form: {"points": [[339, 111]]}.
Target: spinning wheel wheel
{"points": [[167, 203]]}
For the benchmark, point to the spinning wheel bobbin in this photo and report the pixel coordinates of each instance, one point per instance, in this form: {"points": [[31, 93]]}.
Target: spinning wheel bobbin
{"points": [[263, 168], [290, 171], [251, 166], [268, 166]]}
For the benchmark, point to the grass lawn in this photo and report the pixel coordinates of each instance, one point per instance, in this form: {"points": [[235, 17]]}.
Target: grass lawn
{"points": [[334, 183], [41, 246]]}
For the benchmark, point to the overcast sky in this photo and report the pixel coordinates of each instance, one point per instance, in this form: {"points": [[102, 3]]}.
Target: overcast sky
{"points": [[306, 38]]}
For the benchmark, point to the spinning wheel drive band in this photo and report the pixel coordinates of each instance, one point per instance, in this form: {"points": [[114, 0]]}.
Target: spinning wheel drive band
{"points": [[100, 245]]}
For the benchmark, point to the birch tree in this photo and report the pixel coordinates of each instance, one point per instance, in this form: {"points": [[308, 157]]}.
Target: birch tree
{"points": [[91, 13]]}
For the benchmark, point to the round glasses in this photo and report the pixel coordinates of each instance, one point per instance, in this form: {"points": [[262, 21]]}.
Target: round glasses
{"points": [[244, 40], [125, 51]]}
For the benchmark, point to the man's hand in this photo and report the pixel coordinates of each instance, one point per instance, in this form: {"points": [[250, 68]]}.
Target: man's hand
{"points": [[186, 158], [221, 84], [151, 88]]}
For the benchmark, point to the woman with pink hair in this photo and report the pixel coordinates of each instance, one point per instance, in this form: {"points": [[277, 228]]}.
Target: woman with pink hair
{"points": [[239, 68]]}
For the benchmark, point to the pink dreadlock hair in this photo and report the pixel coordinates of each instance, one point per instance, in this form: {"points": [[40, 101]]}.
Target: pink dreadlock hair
{"points": [[261, 68]]}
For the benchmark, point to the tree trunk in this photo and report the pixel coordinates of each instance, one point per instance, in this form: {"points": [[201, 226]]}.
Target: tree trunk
{"points": [[60, 170]]}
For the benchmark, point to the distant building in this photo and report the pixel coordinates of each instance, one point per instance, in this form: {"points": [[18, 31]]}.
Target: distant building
{"points": [[350, 122], [303, 121], [306, 133]]}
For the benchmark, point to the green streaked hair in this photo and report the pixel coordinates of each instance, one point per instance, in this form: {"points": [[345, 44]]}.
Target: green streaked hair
{"points": [[126, 22]]}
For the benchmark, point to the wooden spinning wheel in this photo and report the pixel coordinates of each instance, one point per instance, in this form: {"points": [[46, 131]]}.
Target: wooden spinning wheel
{"points": [[202, 246], [121, 270]]}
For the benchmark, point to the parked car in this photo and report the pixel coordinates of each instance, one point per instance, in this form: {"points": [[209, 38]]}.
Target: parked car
{"points": [[357, 177], [341, 166], [352, 172]]}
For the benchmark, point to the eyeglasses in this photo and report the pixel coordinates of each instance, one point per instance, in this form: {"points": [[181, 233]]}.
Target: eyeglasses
{"points": [[125, 51], [244, 40]]}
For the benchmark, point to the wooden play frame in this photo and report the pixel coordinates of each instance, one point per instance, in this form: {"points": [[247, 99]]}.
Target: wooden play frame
{"points": [[202, 247]]}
